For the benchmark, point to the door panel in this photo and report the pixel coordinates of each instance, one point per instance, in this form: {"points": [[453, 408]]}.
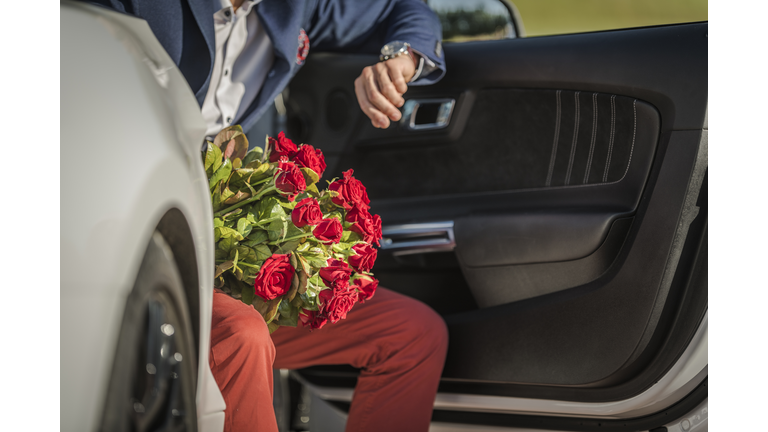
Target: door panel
{"points": [[569, 167]]}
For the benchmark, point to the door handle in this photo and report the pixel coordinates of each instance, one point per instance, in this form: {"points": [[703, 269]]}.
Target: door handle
{"points": [[427, 114], [418, 238]]}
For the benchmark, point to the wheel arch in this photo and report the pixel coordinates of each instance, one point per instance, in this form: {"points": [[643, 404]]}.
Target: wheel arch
{"points": [[176, 231]]}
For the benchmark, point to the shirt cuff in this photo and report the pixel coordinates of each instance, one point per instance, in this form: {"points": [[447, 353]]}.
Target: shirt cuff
{"points": [[426, 66]]}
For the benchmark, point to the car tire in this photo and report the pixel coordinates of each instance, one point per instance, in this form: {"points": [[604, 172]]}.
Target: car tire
{"points": [[154, 376]]}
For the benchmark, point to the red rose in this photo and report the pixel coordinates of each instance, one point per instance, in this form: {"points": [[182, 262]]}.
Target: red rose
{"points": [[358, 214], [335, 271], [289, 179], [312, 158], [312, 319], [368, 228], [281, 146], [274, 278], [366, 256], [335, 303], [366, 287], [306, 212], [351, 192], [377, 229], [328, 231]]}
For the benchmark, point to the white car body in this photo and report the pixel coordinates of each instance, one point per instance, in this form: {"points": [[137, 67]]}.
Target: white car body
{"points": [[131, 134]]}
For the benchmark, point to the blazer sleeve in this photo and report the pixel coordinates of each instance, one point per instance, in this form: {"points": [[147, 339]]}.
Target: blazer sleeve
{"points": [[355, 26]]}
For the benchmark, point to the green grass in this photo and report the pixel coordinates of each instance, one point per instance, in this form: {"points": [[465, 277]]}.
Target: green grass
{"points": [[548, 17]]}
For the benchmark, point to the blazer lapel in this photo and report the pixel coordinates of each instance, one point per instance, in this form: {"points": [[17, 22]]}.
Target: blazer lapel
{"points": [[282, 24], [203, 11]]}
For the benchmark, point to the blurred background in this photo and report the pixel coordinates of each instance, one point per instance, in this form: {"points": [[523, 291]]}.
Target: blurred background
{"points": [[483, 19]]}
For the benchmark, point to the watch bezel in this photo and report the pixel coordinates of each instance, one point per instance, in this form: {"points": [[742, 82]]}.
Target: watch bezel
{"points": [[403, 48]]}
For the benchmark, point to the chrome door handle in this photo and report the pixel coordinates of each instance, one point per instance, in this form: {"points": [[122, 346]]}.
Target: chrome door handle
{"points": [[418, 238], [436, 113]]}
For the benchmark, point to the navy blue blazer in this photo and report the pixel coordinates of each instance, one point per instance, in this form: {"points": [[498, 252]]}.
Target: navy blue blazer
{"points": [[185, 29]]}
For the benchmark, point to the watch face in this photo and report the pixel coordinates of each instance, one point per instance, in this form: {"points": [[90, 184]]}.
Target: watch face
{"points": [[391, 48]]}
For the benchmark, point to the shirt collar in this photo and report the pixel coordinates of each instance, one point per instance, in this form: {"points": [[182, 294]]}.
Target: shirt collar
{"points": [[225, 4]]}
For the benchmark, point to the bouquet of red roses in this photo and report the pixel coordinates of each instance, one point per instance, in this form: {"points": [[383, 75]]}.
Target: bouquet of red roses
{"points": [[293, 252]]}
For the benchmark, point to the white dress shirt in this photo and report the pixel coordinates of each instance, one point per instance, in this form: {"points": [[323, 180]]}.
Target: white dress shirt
{"points": [[243, 57]]}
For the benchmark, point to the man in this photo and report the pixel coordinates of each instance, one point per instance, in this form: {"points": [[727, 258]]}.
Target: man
{"points": [[237, 55]]}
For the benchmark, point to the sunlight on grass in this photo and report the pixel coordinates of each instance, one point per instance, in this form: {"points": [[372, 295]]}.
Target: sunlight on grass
{"points": [[548, 17]]}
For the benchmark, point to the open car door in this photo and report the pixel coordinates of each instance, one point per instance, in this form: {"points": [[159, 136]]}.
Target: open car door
{"points": [[548, 197]]}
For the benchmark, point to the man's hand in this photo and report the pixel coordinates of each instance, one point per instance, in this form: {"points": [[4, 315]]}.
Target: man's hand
{"points": [[380, 89]]}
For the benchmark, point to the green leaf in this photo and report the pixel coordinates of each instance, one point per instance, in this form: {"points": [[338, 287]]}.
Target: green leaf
{"points": [[230, 217], [220, 254], [272, 310], [262, 252], [212, 156], [288, 246], [248, 293], [221, 174], [298, 303], [224, 232], [315, 257], [239, 177], [312, 189], [350, 237], [254, 155], [309, 299], [273, 326], [259, 304], [237, 271], [269, 207], [216, 198], [256, 237], [226, 194], [277, 230], [247, 255], [316, 284], [237, 197], [310, 176], [237, 257], [243, 227], [260, 172], [303, 274], [221, 268], [289, 314], [217, 222], [233, 142], [227, 244]]}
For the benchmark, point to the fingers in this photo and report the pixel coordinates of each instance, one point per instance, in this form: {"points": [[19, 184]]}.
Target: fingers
{"points": [[373, 103], [400, 70], [373, 92], [378, 119], [386, 74], [380, 88]]}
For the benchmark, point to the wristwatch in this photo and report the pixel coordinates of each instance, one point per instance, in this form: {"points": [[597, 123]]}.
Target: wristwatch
{"points": [[396, 49]]}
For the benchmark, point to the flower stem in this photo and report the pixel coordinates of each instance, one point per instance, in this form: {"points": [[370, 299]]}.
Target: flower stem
{"points": [[239, 263], [248, 201], [296, 237]]}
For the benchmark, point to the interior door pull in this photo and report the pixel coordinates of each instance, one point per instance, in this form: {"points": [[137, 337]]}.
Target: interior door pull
{"points": [[418, 238], [427, 114]]}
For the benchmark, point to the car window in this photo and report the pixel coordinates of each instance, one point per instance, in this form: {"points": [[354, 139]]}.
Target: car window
{"points": [[550, 17], [470, 20]]}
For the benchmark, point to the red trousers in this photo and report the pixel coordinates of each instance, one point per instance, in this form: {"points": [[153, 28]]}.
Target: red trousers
{"points": [[399, 343]]}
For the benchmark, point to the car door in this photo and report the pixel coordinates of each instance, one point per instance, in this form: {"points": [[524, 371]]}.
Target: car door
{"points": [[548, 198]]}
